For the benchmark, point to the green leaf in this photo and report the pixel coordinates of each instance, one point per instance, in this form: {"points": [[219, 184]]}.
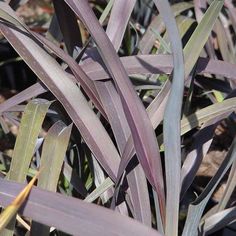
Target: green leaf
{"points": [[107, 183], [200, 117], [30, 127], [199, 37], [53, 153]]}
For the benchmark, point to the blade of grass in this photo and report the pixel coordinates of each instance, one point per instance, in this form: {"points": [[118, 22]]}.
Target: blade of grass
{"points": [[197, 207], [26, 94], [226, 54], [164, 44], [114, 110], [99, 177], [107, 183], [160, 64], [201, 116], [148, 40], [229, 188], [10, 16], [218, 221], [74, 179], [198, 39], [115, 28], [138, 193], [68, 25], [10, 211], [199, 148], [142, 132], [72, 215], [201, 144], [106, 11], [53, 153], [171, 123], [30, 127], [53, 76], [200, 7]]}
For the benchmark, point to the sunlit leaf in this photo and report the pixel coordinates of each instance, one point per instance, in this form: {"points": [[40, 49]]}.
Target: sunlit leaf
{"points": [[10, 211]]}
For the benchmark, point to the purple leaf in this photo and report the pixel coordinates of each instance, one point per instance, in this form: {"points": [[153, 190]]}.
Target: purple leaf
{"points": [[72, 215], [140, 125]]}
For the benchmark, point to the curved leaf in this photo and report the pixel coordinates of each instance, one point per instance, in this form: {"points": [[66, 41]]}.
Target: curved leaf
{"points": [[141, 129], [57, 81]]}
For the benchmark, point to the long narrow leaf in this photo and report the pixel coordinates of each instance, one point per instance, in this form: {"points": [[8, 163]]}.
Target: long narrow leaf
{"points": [[30, 127], [53, 153], [113, 106], [72, 215], [142, 131], [68, 25], [115, 28], [197, 207], [107, 183], [10, 16], [160, 64], [200, 117], [172, 122], [52, 75], [26, 94], [147, 41], [218, 221], [199, 37], [229, 188], [11, 210]]}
